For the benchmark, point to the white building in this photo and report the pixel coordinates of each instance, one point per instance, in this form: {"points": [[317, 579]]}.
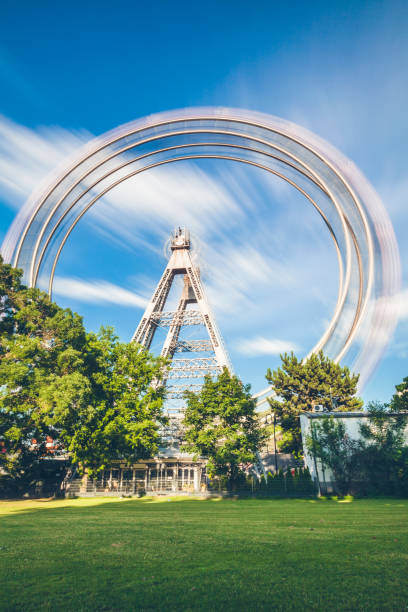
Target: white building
{"points": [[352, 420]]}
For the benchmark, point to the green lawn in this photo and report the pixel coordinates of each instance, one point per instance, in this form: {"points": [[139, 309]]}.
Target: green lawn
{"points": [[178, 554]]}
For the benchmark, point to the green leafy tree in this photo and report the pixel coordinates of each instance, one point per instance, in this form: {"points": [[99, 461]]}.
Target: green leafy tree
{"points": [[10, 288], [384, 453], [335, 449], [98, 398], [399, 401], [300, 385], [221, 424], [111, 407], [377, 462], [37, 340]]}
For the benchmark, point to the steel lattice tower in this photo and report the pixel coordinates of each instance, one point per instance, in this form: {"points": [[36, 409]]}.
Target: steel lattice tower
{"points": [[200, 356]]}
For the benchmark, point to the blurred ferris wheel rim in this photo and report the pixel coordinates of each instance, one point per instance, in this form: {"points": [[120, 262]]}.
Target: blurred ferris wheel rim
{"points": [[368, 259]]}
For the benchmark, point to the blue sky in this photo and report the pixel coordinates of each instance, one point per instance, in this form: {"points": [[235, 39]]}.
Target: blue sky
{"points": [[69, 72]]}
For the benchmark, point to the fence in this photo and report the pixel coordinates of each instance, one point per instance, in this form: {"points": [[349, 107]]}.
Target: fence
{"points": [[293, 483], [78, 487]]}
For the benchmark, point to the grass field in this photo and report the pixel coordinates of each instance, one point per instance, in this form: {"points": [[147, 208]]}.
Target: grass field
{"points": [[178, 554]]}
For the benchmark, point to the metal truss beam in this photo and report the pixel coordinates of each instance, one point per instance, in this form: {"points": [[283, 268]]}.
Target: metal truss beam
{"points": [[197, 362], [186, 317], [192, 346], [177, 391], [194, 373], [183, 368], [194, 368]]}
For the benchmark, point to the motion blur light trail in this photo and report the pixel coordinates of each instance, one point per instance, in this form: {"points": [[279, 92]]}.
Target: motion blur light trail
{"points": [[368, 259]]}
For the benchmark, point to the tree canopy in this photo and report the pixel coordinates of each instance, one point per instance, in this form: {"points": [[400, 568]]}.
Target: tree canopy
{"points": [[302, 384], [399, 401], [221, 424], [108, 407], [375, 463], [91, 393], [384, 454], [337, 451]]}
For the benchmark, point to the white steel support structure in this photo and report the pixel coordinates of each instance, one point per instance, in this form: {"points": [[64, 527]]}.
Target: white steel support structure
{"points": [[184, 368]]}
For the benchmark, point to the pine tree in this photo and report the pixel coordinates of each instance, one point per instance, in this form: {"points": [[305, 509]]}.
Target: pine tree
{"points": [[399, 402], [300, 385]]}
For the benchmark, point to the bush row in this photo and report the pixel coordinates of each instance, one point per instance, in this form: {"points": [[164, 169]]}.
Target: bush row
{"points": [[293, 483]]}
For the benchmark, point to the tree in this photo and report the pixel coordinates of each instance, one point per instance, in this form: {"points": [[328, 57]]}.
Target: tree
{"points": [[377, 462], [38, 339], [384, 453], [96, 397], [111, 408], [335, 449], [399, 401], [10, 287], [221, 424], [300, 385]]}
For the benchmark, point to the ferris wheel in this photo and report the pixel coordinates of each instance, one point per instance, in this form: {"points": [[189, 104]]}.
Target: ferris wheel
{"points": [[367, 254]]}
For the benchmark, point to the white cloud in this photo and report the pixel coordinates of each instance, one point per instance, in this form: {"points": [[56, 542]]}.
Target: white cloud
{"points": [[241, 276], [27, 156], [254, 347], [160, 199], [401, 303], [394, 192], [96, 292]]}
